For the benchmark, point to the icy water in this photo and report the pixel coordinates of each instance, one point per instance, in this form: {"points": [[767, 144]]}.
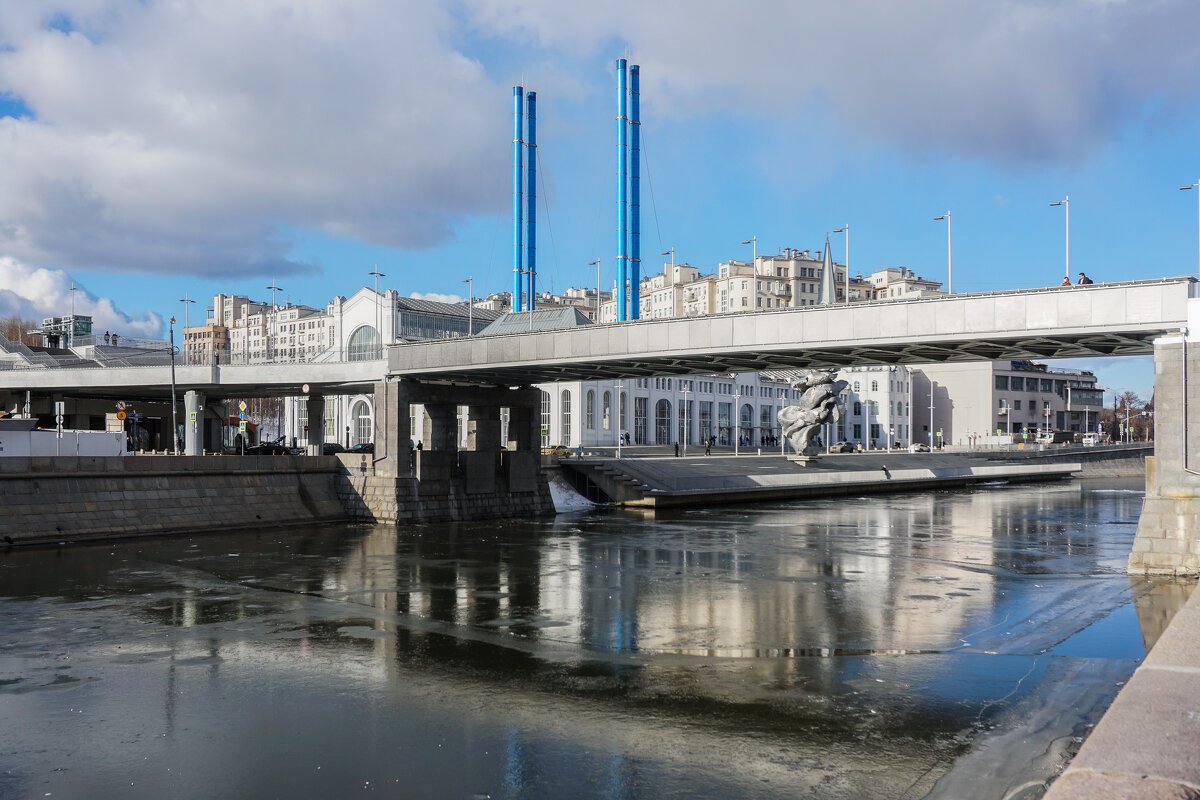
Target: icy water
{"points": [[942, 645]]}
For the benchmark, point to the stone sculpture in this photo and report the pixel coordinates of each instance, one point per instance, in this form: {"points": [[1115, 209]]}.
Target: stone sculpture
{"points": [[817, 405]]}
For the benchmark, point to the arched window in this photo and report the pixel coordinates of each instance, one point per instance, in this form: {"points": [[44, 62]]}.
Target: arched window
{"points": [[606, 411], [590, 410], [363, 427], [364, 345], [565, 433], [747, 423], [662, 422], [623, 416], [545, 419]]}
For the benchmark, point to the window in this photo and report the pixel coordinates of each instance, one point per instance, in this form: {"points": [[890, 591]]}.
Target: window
{"points": [[873, 407], [1002, 382], [590, 410], [1047, 385], [857, 409], [360, 417], [1017, 405], [545, 419], [724, 434], [856, 388], [662, 422], [565, 413], [874, 386], [606, 411], [364, 344], [640, 410]]}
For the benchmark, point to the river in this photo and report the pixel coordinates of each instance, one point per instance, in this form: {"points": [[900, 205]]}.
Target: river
{"points": [[941, 645]]}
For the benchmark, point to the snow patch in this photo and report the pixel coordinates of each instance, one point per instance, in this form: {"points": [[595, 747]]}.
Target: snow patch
{"points": [[566, 499]]}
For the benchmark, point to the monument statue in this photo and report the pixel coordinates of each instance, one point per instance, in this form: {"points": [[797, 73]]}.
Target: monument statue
{"points": [[816, 406]]}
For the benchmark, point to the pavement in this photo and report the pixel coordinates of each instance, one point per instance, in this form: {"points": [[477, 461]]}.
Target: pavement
{"points": [[1147, 746]]}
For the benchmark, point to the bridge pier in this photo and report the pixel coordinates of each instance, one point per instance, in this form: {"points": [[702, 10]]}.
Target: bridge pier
{"points": [[315, 414], [1168, 534], [441, 482]]}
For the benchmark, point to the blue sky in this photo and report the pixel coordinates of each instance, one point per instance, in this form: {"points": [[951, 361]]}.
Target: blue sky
{"points": [[157, 149]]}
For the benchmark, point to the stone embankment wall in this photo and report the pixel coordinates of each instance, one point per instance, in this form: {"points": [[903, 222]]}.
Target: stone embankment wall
{"points": [[54, 499]]}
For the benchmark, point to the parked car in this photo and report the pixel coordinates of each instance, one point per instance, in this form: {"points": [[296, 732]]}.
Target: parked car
{"points": [[560, 450], [276, 448], [917, 447], [329, 448], [842, 447], [363, 447]]}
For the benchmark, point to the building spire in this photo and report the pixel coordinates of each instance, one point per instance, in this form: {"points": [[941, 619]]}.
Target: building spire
{"points": [[827, 292]]}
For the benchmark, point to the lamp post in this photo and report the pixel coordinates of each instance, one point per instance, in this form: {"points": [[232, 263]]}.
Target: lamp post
{"points": [[378, 314], [470, 281], [753, 242], [1195, 185], [273, 289], [186, 322], [174, 426], [620, 419], [949, 261], [782, 439], [686, 392], [1066, 204], [596, 264], [846, 230], [737, 420]]}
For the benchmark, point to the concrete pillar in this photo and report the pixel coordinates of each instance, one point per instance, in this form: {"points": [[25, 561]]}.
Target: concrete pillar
{"points": [[393, 434], [316, 423], [524, 419], [483, 429], [1168, 534], [193, 418], [440, 429]]}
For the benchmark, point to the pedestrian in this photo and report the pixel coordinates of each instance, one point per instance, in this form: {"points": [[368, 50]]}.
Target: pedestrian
{"points": [[106, 338], [1083, 280], [419, 445], [1066, 281], [677, 449], [579, 452], [708, 447]]}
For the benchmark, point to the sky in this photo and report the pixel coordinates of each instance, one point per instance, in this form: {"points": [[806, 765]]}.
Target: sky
{"points": [[160, 151]]}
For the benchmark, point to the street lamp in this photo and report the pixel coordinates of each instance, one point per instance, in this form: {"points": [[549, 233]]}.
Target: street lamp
{"points": [[1066, 204], [753, 241], [620, 426], [846, 230], [273, 289], [737, 420], [174, 426], [1195, 186], [686, 392], [949, 263], [470, 281], [596, 264], [378, 332], [186, 324]]}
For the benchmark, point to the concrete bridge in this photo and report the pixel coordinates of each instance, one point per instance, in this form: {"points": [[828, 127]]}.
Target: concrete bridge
{"points": [[488, 374]]}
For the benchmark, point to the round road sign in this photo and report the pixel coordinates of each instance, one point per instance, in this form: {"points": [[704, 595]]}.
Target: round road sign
{"points": [[304, 388], [120, 405], [121, 415]]}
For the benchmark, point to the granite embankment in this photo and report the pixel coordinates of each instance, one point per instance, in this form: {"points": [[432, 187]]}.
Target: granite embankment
{"points": [[77, 498]]}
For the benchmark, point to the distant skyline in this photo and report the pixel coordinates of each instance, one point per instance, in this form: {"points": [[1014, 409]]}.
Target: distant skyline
{"points": [[156, 149]]}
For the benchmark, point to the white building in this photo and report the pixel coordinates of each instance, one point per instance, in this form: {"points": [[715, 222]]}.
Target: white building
{"points": [[1002, 400], [739, 408]]}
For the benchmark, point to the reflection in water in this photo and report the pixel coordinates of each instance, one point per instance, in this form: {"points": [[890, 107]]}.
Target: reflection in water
{"points": [[882, 646]]}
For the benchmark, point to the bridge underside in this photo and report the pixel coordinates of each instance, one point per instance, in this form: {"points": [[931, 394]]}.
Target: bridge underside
{"points": [[1083, 345]]}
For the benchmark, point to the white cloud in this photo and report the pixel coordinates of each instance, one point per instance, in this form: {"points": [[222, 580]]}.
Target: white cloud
{"points": [[437, 297], [36, 293], [183, 137], [1012, 80]]}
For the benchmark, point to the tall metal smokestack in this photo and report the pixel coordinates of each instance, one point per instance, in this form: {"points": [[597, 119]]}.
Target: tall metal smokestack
{"points": [[635, 194], [518, 156], [622, 225], [531, 199]]}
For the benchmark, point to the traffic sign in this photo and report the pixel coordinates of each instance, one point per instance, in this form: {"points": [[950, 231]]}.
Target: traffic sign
{"points": [[120, 405], [192, 416], [121, 415], [242, 426], [304, 388], [242, 416], [242, 406]]}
